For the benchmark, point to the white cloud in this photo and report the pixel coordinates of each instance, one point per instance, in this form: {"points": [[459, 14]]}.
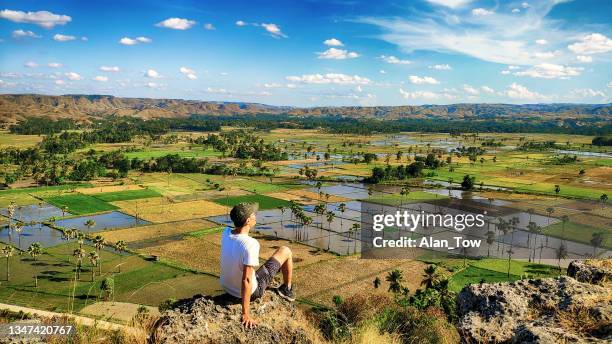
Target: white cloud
{"points": [[113, 69], [441, 67], [330, 78], [134, 41], [586, 93], [499, 37], [274, 30], [73, 76], [337, 54], [154, 85], [487, 89], [31, 64], [394, 60], [417, 80], [481, 12], [505, 72], [516, 91], [272, 85], [516, 10], [59, 82], [594, 43], [209, 26], [546, 55], [176, 23], [525, 5], [63, 38], [45, 19], [54, 65], [101, 78], [240, 23], [541, 42], [470, 90], [216, 90], [584, 59], [550, 71], [610, 84], [188, 72], [21, 33], [333, 42], [450, 3], [382, 71], [512, 67], [84, 39], [152, 73], [424, 95]]}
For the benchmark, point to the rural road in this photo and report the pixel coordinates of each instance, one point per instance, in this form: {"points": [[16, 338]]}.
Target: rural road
{"points": [[80, 320]]}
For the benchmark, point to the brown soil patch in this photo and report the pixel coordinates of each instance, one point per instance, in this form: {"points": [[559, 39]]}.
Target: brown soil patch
{"points": [[305, 197], [108, 188], [156, 230], [121, 311], [161, 209]]}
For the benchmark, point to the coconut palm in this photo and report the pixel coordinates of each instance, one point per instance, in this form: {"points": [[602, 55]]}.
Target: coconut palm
{"points": [[80, 238], [34, 251], [90, 224], [7, 251], [94, 258], [79, 253], [64, 211], [596, 240], [18, 228], [330, 218], [395, 279], [319, 209], [430, 277], [564, 220], [490, 241], [561, 253], [99, 243], [356, 227], [341, 209]]}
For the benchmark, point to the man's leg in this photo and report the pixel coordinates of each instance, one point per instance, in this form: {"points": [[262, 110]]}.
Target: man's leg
{"points": [[284, 256]]}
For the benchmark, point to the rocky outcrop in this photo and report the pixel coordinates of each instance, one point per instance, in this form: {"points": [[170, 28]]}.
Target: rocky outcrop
{"points": [[553, 310], [590, 273], [217, 320]]}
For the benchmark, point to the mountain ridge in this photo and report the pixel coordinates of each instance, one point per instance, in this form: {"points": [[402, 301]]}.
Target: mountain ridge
{"points": [[83, 107]]}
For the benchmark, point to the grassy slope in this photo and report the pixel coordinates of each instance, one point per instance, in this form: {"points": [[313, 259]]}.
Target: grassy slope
{"points": [[79, 204]]}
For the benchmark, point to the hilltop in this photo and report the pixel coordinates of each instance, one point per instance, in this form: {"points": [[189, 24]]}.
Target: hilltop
{"points": [[84, 107]]}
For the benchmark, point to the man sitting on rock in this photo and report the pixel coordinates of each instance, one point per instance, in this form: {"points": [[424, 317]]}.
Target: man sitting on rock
{"points": [[240, 256]]}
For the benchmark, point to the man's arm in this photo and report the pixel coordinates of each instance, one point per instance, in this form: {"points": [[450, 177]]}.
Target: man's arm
{"points": [[245, 293]]}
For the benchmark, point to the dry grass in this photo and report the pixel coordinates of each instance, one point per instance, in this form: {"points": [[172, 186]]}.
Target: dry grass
{"points": [[305, 197], [108, 188], [161, 209], [120, 311], [369, 334], [156, 230]]}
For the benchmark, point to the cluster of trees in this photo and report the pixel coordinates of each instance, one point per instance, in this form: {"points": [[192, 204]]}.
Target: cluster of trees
{"points": [[538, 146], [243, 145], [400, 172], [602, 141], [39, 126]]}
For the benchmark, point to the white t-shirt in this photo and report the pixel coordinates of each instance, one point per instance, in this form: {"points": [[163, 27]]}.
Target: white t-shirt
{"points": [[237, 250]]}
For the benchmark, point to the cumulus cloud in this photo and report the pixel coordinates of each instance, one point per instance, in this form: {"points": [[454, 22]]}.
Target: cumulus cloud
{"points": [[101, 78], [487, 89], [584, 59], [274, 30], [428, 95], [113, 69], [59, 82], [21, 33], [332, 42], [63, 38], [517, 91], [382, 71], [30, 64], [152, 73], [176, 23], [541, 42], [586, 93], [450, 3], [209, 26], [470, 90], [594, 43], [546, 54], [154, 85], [337, 54], [134, 41], [188, 72], [45, 19], [481, 12], [330, 78], [240, 23], [417, 80], [441, 67], [73, 76], [216, 90], [54, 65], [394, 60], [550, 71]]}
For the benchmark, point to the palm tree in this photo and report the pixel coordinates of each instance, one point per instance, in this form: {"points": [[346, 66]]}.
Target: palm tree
{"points": [[8, 252], [532, 228], [561, 253], [120, 246], [329, 218], [64, 211], [355, 229], [404, 192], [319, 209], [90, 224], [596, 240], [431, 277], [490, 241], [99, 243], [376, 282], [564, 220], [603, 199], [341, 209], [94, 258], [34, 251], [79, 253], [395, 278], [549, 211], [282, 210], [18, 228], [80, 238]]}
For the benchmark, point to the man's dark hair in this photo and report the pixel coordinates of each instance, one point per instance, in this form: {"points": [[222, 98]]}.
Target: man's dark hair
{"points": [[241, 212]]}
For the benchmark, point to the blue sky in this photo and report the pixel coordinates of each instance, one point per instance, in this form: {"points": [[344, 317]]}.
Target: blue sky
{"points": [[311, 53]]}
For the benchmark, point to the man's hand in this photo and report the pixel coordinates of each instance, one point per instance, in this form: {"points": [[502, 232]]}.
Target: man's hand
{"points": [[247, 321]]}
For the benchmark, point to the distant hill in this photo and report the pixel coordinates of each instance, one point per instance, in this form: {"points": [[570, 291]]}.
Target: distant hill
{"points": [[14, 107]]}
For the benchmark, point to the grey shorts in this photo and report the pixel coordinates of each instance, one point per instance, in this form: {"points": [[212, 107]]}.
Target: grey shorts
{"points": [[265, 275]]}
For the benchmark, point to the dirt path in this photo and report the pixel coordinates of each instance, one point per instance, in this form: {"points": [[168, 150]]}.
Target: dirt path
{"points": [[81, 320]]}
